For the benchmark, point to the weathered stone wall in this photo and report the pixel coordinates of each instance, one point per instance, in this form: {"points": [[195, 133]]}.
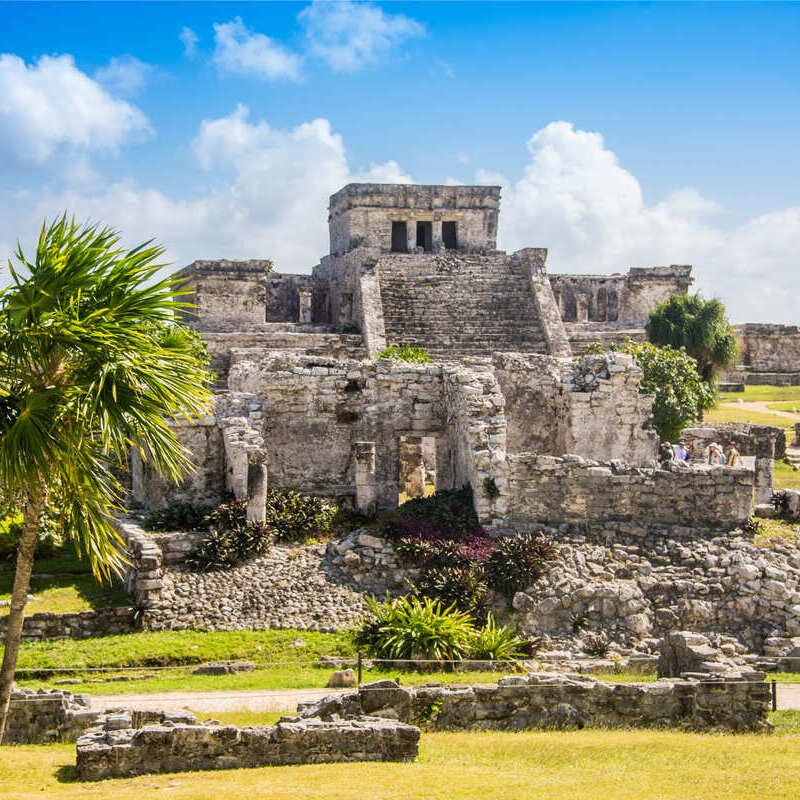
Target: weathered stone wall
{"points": [[77, 625], [634, 584], [582, 335], [768, 348], [588, 406], [283, 297], [361, 214], [122, 752], [227, 295], [204, 484], [39, 717], [763, 442], [625, 298], [548, 700], [552, 490]]}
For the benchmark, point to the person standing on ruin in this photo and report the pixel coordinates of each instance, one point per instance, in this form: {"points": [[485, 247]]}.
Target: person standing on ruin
{"points": [[733, 457]]}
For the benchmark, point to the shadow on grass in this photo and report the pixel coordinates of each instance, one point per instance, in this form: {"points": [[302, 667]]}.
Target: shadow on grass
{"points": [[67, 773]]}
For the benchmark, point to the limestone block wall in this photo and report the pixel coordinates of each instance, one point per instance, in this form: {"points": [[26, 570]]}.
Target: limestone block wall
{"points": [[362, 214], [227, 295], [316, 410], [78, 625], [39, 717], [283, 297], [548, 700], [552, 490], [106, 753], [588, 406], [619, 298], [769, 348], [762, 442]]}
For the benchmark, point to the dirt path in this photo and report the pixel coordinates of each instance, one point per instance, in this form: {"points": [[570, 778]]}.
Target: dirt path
{"points": [[762, 406], [286, 700], [282, 700]]}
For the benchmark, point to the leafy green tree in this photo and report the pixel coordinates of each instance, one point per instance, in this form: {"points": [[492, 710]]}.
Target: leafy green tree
{"points": [[671, 377], [698, 325], [92, 363]]}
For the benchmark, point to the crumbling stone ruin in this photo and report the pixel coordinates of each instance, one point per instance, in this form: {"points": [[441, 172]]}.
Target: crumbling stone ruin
{"points": [[302, 401]]}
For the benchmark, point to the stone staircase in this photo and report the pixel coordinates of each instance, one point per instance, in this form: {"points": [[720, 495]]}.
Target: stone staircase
{"points": [[456, 305]]}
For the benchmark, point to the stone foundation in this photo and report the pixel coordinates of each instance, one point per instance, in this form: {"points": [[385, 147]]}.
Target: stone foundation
{"points": [[115, 751], [80, 625], [549, 700], [39, 717]]}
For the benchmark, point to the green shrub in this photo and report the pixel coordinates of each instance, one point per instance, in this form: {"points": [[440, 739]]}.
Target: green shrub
{"points": [[518, 561], [405, 352], [415, 628], [297, 517], [231, 540], [495, 642], [463, 586], [180, 517], [48, 543]]}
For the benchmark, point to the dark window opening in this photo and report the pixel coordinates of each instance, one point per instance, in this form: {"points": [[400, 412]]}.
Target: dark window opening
{"points": [[399, 237], [613, 309], [425, 236], [449, 239]]}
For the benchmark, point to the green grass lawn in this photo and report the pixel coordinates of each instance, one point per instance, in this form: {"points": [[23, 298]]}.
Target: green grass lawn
{"points": [[63, 584], [730, 412], [785, 476], [575, 765], [764, 393]]}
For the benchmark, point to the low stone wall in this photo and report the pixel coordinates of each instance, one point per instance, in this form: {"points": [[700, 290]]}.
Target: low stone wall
{"points": [[80, 625], [38, 717], [553, 490], [143, 578], [121, 752], [549, 700]]}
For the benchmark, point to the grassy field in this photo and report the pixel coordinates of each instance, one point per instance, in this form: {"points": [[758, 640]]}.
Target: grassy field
{"points": [[730, 412], [578, 765], [61, 585]]}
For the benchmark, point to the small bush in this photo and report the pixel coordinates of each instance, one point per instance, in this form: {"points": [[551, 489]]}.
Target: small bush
{"points": [[180, 517], [48, 543], [463, 586], [231, 540], [445, 512], [595, 644], [518, 561], [495, 642], [296, 517], [405, 352], [415, 628]]}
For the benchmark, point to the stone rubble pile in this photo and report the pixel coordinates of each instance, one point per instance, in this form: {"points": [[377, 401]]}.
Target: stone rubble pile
{"points": [[41, 716], [637, 586]]}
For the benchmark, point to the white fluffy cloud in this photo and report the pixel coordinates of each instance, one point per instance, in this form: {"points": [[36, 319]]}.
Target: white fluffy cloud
{"points": [[51, 103], [349, 35], [272, 189], [576, 199], [125, 75], [189, 40], [240, 51]]}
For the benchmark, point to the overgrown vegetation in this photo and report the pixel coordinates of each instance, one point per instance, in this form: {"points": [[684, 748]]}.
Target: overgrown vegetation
{"points": [[405, 352], [232, 539], [679, 393], [180, 517], [424, 629], [459, 561], [290, 517], [700, 328]]}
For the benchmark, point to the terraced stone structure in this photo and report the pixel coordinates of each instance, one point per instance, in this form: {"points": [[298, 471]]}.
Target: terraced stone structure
{"points": [[303, 402]]}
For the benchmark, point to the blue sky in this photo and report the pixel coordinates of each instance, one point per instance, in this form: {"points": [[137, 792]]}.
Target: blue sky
{"points": [[622, 134]]}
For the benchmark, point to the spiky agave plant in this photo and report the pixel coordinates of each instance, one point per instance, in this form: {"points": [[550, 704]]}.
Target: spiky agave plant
{"points": [[92, 363]]}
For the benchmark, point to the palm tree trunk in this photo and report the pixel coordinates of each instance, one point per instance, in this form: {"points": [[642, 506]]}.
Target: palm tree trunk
{"points": [[19, 598]]}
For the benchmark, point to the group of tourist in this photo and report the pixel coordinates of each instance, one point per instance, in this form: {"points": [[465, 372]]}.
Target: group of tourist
{"points": [[683, 452]]}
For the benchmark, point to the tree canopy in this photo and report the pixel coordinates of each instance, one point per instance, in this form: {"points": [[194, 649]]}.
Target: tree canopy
{"points": [[92, 363], [698, 325], [671, 377]]}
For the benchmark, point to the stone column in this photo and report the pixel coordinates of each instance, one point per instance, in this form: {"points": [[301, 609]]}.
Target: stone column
{"points": [[366, 486], [256, 486], [581, 307], [304, 293], [412, 466]]}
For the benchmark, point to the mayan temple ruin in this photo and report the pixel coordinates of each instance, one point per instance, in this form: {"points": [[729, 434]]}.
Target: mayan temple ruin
{"points": [[503, 406]]}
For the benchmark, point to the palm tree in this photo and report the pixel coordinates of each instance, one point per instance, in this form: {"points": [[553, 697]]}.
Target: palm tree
{"points": [[700, 327], [92, 363]]}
